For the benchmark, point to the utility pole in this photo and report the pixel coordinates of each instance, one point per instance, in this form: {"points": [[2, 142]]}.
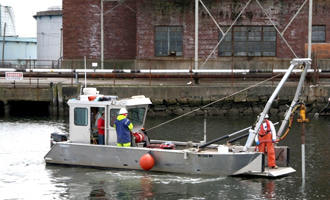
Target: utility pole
{"points": [[310, 22], [196, 33], [3, 44], [102, 42]]}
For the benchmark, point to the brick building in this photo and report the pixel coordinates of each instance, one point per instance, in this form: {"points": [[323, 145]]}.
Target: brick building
{"points": [[162, 32]]}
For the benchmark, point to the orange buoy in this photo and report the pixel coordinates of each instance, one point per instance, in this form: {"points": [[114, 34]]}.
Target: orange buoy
{"points": [[147, 162]]}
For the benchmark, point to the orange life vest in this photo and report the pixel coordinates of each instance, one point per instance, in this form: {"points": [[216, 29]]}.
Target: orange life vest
{"points": [[262, 131]]}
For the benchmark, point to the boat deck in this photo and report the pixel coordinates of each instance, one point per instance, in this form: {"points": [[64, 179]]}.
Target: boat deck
{"points": [[270, 172]]}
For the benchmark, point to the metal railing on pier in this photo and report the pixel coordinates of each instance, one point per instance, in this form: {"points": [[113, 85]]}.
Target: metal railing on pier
{"points": [[36, 69]]}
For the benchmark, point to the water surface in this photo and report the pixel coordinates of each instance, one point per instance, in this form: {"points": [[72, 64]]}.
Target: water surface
{"points": [[24, 175]]}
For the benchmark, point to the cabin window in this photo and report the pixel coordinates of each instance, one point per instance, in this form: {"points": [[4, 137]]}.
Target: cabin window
{"points": [[248, 41], [80, 116], [136, 115], [168, 41], [113, 116], [318, 34]]}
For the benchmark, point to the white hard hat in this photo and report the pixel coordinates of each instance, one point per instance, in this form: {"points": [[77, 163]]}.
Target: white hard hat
{"points": [[123, 111], [266, 116]]}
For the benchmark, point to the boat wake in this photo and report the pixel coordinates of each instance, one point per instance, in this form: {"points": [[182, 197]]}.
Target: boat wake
{"points": [[159, 177]]}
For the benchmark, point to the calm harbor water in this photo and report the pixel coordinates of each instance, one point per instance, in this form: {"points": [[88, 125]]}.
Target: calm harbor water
{"points": [[24, 175]]}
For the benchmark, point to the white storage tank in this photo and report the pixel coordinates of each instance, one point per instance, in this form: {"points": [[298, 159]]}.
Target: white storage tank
{"points": [[49, 37]]}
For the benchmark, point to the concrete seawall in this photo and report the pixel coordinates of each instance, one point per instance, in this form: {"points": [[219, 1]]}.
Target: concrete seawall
{"points": [[170, 99], [219, 99]]}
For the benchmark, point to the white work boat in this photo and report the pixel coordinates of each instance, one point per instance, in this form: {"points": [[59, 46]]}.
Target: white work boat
{"points": [[199, 158]]}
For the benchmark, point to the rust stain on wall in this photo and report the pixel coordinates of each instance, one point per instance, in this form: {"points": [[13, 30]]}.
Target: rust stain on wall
{"points": [[322, 50]]}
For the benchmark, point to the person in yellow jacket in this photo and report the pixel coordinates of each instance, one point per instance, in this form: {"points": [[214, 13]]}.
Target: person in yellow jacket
{"points": [[123, 128], [266, 138]]}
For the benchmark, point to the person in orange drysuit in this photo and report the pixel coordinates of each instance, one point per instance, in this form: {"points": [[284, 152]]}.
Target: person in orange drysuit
{"points": [[266, 138]]}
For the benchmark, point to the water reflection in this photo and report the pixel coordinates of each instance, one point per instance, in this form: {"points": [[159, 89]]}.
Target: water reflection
{"points": [[82, 183], [146, 184], [268, 188], [98, 191]]}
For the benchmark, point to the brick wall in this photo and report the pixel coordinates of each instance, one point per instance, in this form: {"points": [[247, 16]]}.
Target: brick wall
{"points": [[130, 34], [82, 29], [158, 12]]}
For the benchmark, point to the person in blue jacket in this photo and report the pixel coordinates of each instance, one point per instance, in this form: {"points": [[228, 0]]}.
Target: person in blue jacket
{"points": [[123, 128]]}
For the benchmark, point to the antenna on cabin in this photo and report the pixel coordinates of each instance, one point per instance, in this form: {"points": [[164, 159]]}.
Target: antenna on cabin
{"points": [[85, 70], [89, 91]]}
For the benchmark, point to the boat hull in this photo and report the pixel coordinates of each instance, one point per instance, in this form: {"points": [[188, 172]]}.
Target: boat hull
{"points": [[166, 160]]}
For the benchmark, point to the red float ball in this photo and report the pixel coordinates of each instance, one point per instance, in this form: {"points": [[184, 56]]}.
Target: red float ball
{"points": [[147, 162]]}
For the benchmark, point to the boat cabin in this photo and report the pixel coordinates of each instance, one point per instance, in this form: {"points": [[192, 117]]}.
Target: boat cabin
{"points": [[87, 109]]}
